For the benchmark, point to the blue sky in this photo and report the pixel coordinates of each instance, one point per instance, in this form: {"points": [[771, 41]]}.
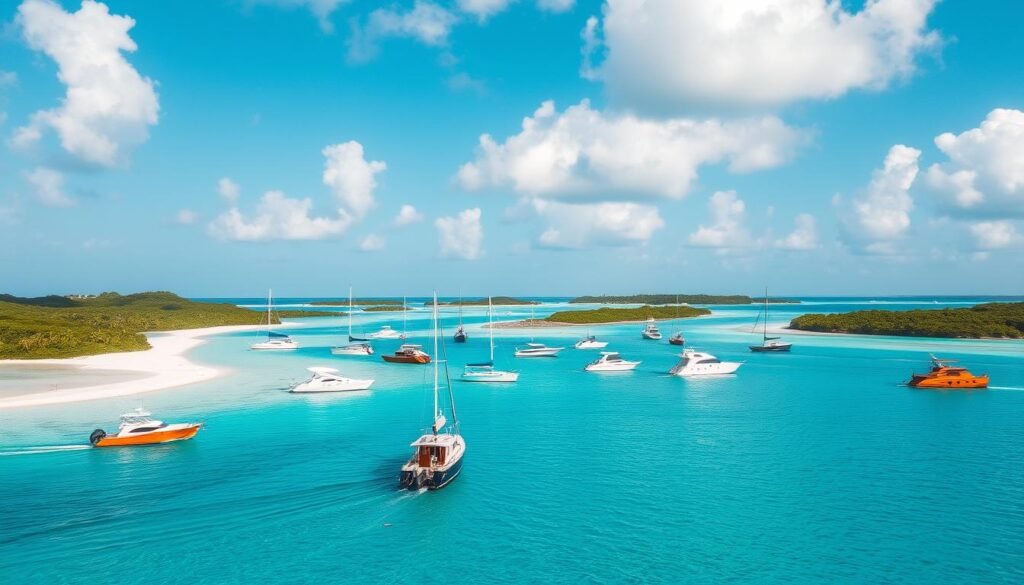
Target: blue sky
{"points": [[669, 147]]}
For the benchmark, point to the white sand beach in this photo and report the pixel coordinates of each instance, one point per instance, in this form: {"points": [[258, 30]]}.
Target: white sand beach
{"points": [[162, 366]]}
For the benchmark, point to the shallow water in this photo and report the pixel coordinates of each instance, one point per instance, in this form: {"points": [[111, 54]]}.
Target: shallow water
{"points": [[817, 466]]}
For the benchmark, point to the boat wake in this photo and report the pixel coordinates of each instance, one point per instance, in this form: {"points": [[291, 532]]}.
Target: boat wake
{"points": [[42, 449], [1017, 388]]}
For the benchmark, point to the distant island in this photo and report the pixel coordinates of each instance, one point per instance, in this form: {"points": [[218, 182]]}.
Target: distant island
{"points": [[61, 327], [666, 299], [609, 315], [360, 302], [496, 301], [989, 320], [386, 308]]}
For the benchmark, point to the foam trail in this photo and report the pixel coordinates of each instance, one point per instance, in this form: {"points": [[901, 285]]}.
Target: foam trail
{"points": [[44, 449], [1005, 388]]}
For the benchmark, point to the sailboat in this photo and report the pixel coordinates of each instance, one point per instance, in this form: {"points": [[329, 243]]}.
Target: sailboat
{"points": [[460, 333], [362, 348], [386, 332], [769, 344], [274, 340], [485, 372], [437, 458], [532, 349]]}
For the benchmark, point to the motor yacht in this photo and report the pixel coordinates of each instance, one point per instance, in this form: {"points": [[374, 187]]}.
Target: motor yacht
{"points": [[386, 332], [697, 363], [610, 361], [537, 350], [677, 338], [944, 375], [651, 330], [486, 372], [408, 353], [139, 428], [590, 342], [329, 380], [354, 349], [437, 456]]}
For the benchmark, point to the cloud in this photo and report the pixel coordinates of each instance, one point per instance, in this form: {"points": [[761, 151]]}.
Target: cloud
{"points": [[994, 235], [613, 224], [321, 9], [555, 5], [482, 9], [585, 152], [427, 23], [727, 230], [463, 82], [407, 215], [372, 243], [186, 217], [48, 187], [881, 214], [668, 54], [229, 190], [277, 217], [351, 177], [803, 237], [985, 171], [108, 107], [461, 236]]}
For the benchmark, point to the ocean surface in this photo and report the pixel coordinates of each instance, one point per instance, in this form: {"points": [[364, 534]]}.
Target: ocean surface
{"points": [[814, 467]]}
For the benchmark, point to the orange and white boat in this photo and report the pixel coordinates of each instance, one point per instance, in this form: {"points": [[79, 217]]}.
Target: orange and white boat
{"points": [[943, 375], [408, 353], [139, 428]]}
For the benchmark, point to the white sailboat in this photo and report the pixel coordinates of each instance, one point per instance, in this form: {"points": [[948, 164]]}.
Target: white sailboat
{"points": [[275, 341], [769, 344], [437, 458], [355, 349], [533, 349], [485, 372]]}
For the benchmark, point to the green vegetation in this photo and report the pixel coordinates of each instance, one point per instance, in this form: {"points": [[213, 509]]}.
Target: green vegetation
{"points": [[1005, 320], [344, 302], [610, 315], [483, 302], [386, 308], [660, 299], [300, 313], [47, 328]]}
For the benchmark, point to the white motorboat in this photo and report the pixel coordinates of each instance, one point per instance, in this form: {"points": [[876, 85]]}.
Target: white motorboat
{"points": [[485, 372], [610, 361], [697, 363], [386, 332], [537, 350], [362, 348], [329, 380], [651, 331], [590, 342], [275, 341], [437, 458]]}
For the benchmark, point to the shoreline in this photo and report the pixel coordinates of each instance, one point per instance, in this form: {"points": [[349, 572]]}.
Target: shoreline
{"points": [[542, 323], [163, 365]]}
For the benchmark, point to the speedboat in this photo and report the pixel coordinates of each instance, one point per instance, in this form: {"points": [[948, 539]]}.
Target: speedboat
{"points": [[697, 363], [355, 349], [610, 361], [537, 350], [386, 332], [590, 342], [943, 375], [437, 455], [139, 428], [276, 341], [408, 353], [677, 338], [651, 330], [329, 380]]}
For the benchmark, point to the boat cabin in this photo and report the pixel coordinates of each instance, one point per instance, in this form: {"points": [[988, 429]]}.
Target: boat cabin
{"points": [[433, 450]]}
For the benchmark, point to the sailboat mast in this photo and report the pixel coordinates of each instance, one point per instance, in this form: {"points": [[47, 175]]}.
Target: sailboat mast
{"points": [[270, 304], [490, 327], [436, 356], [350, 311], [404, 309], [765, 313]]}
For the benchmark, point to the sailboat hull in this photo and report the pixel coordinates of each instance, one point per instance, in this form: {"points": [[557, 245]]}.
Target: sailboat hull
{"points": [[779, 348], [419, 478], [460, 338]]}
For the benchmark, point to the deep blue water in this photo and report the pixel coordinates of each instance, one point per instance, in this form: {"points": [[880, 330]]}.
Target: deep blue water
{"points": [[812, 467]]}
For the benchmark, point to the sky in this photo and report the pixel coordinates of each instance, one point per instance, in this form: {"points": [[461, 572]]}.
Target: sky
{"points": [[544, 147]]}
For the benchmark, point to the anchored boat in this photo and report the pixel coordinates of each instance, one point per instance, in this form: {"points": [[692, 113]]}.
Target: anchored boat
{"points": [[329, 380], [944, 375], [274, 340], [651, 331], [139, 428], [537, 350], [485, 372], [590, 342], [769, 344], [362, 348], [698, 363], [408, 353], [610, 361]]}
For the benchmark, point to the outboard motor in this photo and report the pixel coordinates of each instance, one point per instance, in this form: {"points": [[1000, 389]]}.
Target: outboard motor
{"points": [[97, 436]]}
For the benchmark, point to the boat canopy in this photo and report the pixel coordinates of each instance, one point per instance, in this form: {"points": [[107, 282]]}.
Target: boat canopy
{"points": [[481, 365], [277, 335]]}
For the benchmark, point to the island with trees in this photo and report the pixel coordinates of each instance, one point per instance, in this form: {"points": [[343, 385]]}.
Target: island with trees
{"points": [[672, 299], [360, 302], [989, 320], [624, 315], [496, 301], [61, 327]]}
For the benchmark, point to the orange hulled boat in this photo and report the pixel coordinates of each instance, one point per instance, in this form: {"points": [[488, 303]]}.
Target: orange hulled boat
{"points": [[139, 428], [408, 353], [944, 375]]}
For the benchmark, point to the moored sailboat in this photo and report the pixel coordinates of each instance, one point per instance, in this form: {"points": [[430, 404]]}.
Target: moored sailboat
{"points": [[460, 333], [275, 341], [438, 455], [485, 372], [361, 348], [769, 344]]}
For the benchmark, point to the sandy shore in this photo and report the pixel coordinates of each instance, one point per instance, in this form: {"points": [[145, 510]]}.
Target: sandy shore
{"points": [[164, 366]]}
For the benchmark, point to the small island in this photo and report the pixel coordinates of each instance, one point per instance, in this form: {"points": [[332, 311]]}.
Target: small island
{"points": [[360, 302], [989, 320], [672, 299], [61, 327], [386, 308], [608, 315], [495, 301]]}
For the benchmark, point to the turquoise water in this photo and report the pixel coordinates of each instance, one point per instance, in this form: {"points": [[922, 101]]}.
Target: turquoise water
{"points": [[812, 467]]}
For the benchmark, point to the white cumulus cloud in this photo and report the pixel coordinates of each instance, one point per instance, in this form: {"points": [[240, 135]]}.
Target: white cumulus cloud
{"points": [[108, 107], [577, 225], [881, 214], [727, 229], [351, 177], [277, 217], [804, 235], [993, 235], [584, 151], [48, 187], [985, 171], [426, 22], [229, 190], [667, 54], [372, 243], [461, 236], [407, 215]]}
